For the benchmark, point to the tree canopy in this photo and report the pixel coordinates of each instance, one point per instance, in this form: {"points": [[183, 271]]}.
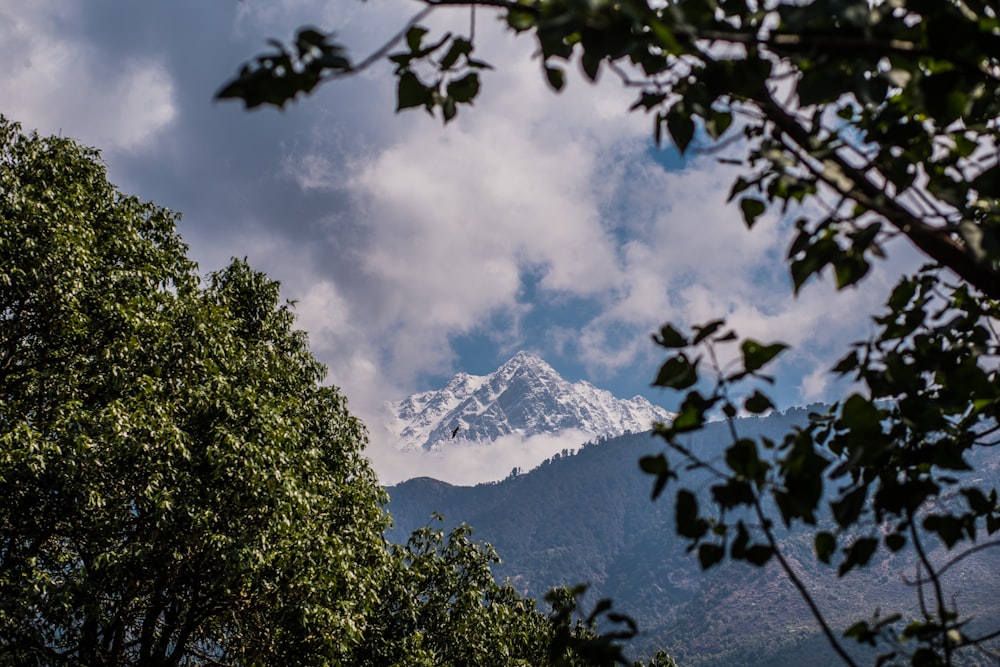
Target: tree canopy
{"points": [[176, 485], [857, 122]]}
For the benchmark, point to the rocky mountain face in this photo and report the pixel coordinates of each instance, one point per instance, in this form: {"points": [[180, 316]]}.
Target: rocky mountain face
{"points": [[524, 397]]}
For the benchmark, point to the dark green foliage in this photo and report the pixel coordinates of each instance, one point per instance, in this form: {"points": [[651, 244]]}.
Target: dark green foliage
{"points": [[577, 641], [868, 93], [880, 462], [458, 82], [278, 76], [174, 482], [441, 606]]}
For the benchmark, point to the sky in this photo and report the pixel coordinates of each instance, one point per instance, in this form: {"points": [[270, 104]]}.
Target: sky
{"points": [[414, 251]]}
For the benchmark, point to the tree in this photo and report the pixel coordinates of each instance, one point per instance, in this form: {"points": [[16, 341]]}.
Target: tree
{"points": [[175, 485], [860, 121], [443, 607]]}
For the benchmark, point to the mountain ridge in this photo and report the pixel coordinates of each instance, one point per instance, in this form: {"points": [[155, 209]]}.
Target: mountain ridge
{"points": [[525, 396]]}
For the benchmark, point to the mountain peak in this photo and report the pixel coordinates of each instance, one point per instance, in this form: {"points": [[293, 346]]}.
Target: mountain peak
{"points": [[524, 396], [524, 357], [524, 362]]}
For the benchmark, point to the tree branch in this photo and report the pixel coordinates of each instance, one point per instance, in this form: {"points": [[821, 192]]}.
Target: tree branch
{"points": [[965, 554], [383, 50], [936, 583], [801, 587], [935, 242]]}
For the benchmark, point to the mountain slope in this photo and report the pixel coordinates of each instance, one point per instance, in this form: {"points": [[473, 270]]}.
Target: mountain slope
{"points": [[524, 397], [588, 517]]}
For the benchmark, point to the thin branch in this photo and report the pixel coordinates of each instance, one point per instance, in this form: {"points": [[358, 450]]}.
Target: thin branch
{"points": [[628, 81], [207, 659], [921, 600], [786, 44], [979, 640], [382, 51], [944, 568], [716, 146], [723, 389], [696, 461], [936, 584], [989, 431], [503, 4], [936, 243], [797, 582]]}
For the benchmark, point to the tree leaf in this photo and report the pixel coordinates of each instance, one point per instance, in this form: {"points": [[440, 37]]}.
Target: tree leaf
{"points": [[556, 77], [757, 355], [758, 403], [680, 126], [825, 544], [415, 36], [706, 330], [689, 524], [710, 554], [669, 337], [677, 372], [459, 47], [411, 92], [752, 208], [465, 89], [858, 554]]}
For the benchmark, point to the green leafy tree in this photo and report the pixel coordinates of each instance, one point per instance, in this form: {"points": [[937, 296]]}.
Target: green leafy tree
{"points": [[442, 607], [175, 485], [858, 122]]}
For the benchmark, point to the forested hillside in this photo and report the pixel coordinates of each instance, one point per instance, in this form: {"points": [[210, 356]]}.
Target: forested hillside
{"points": [[588, 517]]}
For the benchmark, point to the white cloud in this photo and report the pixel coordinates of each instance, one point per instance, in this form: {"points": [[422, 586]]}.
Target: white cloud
{"points": [[396, 235], [325, 314], [147, 107], [312, 171], [465, 464], [459, 215], [532, 183], [690, 259], [57, 83], [815, 385]]}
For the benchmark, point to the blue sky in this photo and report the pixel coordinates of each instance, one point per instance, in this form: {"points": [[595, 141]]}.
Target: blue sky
{"points": [[534, 221]]}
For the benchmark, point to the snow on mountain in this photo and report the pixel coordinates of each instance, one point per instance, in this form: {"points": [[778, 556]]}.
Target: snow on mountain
{"points": [[526, 397]]}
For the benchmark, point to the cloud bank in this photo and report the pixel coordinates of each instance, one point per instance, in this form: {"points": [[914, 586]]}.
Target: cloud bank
{"points": [[534, 220]]}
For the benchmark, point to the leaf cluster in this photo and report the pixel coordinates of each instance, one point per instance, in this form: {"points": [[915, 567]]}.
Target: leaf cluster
{"points": [[868, 111], [278, 76], [876, 471], [453, 71], [862, 122], [440, 605]]}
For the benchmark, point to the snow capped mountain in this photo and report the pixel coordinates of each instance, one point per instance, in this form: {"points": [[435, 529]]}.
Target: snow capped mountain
{"points": [[526, 397]]}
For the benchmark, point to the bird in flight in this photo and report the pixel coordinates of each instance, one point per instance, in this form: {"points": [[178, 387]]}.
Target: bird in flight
{"points": [[454, 432]]}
